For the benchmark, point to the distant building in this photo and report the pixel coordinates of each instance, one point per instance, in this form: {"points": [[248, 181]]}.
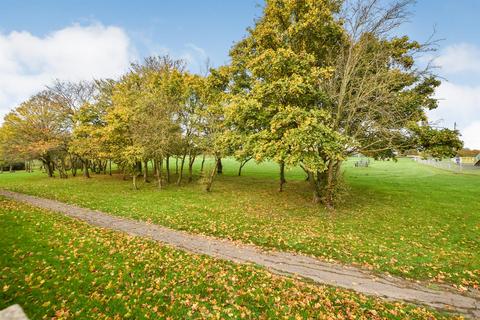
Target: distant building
{"points": [[466, 160]]}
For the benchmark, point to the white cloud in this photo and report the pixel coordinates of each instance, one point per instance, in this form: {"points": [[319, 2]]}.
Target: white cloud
{"points": [[78, 52], [471, 135], [28, 62], [460, 105], [459, 102], [459, 58]]}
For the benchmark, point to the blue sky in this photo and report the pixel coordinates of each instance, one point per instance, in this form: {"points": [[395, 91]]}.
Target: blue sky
{"points": [[43, 40], [212, 25]]}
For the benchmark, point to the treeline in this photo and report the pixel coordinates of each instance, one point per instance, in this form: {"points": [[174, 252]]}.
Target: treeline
{"points": [[313, 82]]}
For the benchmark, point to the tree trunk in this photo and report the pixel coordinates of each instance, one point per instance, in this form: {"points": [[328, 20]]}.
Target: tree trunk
{"points": [[48, 168], [323, 186], [176, 165], [282, 176], [145, 171], [242, 164], [219, 166], [158, 167], [61, 169], [203, 162], [85, 169], [180, 174], [167, 164], [110, 167], [73, 163], [11, 169], [155, 169], [134, 180], [212, 174], [331, 183], [191, 161], [317, 198]]}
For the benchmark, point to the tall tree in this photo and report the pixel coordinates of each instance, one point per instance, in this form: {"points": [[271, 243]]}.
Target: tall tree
{"points": [[277, 72], [88, 136], [142, 123], [315, 82], [37, 129], [215, 98], [191, 121], [72, 96], [377, 94]]}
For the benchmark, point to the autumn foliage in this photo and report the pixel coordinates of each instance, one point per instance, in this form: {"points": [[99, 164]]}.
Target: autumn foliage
{"points": [[312, 83]]}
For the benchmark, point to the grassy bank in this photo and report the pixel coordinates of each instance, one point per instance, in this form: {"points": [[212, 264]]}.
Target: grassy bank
{"points": [[404, 218], [60, 268]]}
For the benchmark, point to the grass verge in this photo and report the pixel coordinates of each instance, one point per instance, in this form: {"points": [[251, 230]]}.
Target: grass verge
{"points": [[403, 218], [60, 268]]}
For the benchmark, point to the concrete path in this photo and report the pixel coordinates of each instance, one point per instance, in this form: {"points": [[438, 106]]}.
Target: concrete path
{"points": [[278, 262]]}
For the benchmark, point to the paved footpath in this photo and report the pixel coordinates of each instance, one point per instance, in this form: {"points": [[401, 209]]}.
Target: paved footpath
{"points": [[278, 262]]}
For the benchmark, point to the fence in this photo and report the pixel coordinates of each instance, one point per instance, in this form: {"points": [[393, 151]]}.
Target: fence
{"points": [[448, 164]]}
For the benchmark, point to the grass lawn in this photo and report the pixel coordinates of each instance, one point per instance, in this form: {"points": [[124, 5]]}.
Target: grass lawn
{"points": [[60, 268], [403, 218]]}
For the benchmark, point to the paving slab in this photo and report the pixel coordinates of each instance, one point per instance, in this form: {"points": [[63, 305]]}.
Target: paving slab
{"points": [[14, 312]]}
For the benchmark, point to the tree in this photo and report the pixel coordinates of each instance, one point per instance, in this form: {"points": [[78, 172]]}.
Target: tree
{"points": [[317, 82], [158, 120], [313, 82], [277, 71], [36, 129], [377, 95], [72, 96], [142, 124], [10, 153], [239, 146], [214, 99], [88, 136], [190, 118]]}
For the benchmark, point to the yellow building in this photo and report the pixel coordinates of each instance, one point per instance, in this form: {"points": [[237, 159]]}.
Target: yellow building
{"points": [[468, 159]]}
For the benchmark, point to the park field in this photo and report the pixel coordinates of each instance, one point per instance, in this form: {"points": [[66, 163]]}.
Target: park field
{"points": [[60, 268], [401, 218]]}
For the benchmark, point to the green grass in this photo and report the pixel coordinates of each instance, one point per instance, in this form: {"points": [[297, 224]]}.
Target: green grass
{"points": [[403, 218], [59, 268]]}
